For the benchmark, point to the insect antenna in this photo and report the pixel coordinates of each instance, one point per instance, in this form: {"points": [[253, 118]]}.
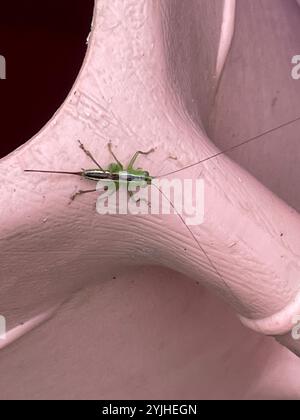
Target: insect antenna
{"points": [[252, 139], [53, 172], [197, 242], [236, 146]]}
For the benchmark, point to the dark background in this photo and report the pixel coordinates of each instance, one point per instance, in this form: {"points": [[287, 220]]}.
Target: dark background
{"points": [[44, 44]]}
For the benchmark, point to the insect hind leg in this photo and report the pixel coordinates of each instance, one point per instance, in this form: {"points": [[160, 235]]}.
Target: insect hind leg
{"points": [[80, 192]]}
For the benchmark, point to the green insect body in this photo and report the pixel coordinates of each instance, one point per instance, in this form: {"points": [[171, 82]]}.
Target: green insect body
{"points": [[115, 173]]}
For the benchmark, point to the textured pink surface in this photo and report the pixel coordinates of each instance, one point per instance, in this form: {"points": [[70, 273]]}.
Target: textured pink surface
{"points": [[120, 306]]}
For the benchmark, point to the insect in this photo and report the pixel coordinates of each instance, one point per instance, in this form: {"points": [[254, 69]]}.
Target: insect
{"points": [[116, 173]]}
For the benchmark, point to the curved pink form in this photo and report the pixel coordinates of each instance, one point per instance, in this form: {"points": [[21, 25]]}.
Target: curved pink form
{"points": [[117, 304]]}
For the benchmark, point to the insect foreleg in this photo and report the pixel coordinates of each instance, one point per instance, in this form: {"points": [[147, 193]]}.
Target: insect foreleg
{"points": [[114, 156], [88, 153]]}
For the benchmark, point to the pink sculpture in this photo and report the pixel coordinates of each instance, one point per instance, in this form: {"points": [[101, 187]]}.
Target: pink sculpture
{"points": [[131, 307]]}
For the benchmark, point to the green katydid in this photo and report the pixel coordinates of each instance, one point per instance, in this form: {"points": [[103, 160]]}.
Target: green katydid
{"points": [[117, 173]]}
